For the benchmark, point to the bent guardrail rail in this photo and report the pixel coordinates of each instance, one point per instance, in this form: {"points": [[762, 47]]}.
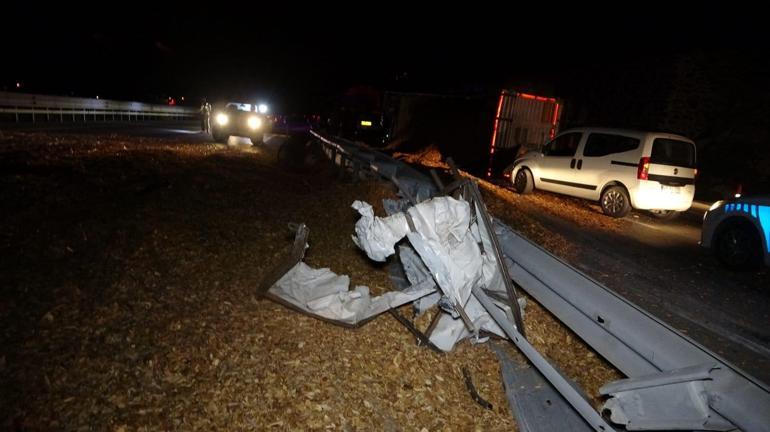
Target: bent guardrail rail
{"points": [[673, 382]]}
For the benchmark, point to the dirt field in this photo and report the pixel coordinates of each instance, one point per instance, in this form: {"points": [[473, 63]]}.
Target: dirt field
{"points": [[129, 268]]}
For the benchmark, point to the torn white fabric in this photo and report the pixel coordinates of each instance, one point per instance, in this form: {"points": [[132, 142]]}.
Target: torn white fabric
{"points": [[451, 250], [305, 284], [427, 302], [326, 294], [375, 235], [449, 331], [442, 219], [456, 269], [441, 229]]}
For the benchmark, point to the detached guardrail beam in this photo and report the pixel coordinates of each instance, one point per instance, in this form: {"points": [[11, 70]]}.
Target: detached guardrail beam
{"points": [[639, 345]]}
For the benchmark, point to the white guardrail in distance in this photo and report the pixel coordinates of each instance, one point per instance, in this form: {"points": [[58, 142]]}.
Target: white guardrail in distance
{"points": [[32, 107]]}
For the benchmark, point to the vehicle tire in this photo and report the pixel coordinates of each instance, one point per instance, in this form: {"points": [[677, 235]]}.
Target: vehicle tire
{"points": [[665, 214], [523, 182], [220, 138], [615, 202], [737, 245]]}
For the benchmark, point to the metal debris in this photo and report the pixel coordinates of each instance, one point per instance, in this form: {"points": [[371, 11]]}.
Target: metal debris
{"points": [[472, 390]]}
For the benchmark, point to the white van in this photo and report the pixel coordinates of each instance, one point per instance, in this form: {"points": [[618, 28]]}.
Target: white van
{"points": [[622, 169]]}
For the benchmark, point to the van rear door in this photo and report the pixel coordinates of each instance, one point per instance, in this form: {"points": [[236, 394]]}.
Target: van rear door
{"points": [[672, 162]]}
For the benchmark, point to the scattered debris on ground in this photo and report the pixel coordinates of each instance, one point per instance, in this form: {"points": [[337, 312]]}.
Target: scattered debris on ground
{"points": [[429, 157], [131, 267]]}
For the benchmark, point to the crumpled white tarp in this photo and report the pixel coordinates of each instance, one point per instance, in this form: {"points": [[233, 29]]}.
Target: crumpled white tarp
{"points": [[449, 330], [375, 235], [442, 226], [327, 294], [448, 245]]}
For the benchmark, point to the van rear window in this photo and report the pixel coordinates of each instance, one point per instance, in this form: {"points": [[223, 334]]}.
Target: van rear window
{"points": [[673, 152]]}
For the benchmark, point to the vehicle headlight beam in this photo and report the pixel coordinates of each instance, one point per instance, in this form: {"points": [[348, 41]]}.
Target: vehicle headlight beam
{"points": [[254, 122]]}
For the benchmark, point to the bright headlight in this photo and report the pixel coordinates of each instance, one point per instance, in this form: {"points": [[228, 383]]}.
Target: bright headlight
{"points": [[262, 108], [254, 122], [222, 119]]}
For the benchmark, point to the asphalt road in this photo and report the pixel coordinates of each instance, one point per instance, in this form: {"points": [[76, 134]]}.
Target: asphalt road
{"points": [[660, 266], [657, 265]]}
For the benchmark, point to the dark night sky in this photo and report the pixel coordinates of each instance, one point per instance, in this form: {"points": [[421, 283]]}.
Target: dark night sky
{"points": [[298, 56]]}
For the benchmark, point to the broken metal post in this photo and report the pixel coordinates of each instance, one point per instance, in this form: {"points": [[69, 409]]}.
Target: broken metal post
{"points": [[470, 191], [296, 255], [422, 339], [510, 289], [472, 390]]}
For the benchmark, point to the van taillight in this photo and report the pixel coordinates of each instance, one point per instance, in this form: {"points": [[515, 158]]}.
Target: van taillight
{"points": [[644, 168]]}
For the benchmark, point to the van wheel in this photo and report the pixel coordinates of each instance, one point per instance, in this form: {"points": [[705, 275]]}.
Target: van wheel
{"points": [[737, 245], [615, 202], [665, 214], [523, 182]]}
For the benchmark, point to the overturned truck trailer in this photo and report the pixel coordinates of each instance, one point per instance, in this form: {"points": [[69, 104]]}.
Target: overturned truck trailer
{"points": [[482, 134], [455, 255]]}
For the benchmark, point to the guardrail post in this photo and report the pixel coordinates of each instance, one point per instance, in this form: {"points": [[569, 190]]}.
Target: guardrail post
{"points": [[17, 114], [61, 116]]}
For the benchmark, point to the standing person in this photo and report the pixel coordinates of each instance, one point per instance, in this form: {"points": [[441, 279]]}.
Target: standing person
{"points": [[205, 113]]}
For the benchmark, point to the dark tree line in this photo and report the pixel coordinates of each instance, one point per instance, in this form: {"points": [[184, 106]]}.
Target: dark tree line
{"points": [[719, 99]]}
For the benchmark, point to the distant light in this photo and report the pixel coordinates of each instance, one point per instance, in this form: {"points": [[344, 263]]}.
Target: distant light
{"points": [[97, 96], [254, 122], [182, 98], [737, 195], [18, 85], [262, 108], [366, 123]]}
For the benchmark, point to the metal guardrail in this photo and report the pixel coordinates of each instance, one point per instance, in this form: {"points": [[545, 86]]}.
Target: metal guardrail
{"points": [[34, 108], [674, 383]]}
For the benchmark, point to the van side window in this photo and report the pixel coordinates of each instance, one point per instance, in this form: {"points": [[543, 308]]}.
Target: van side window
{"points": [[599, 144], [565, 145]]}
